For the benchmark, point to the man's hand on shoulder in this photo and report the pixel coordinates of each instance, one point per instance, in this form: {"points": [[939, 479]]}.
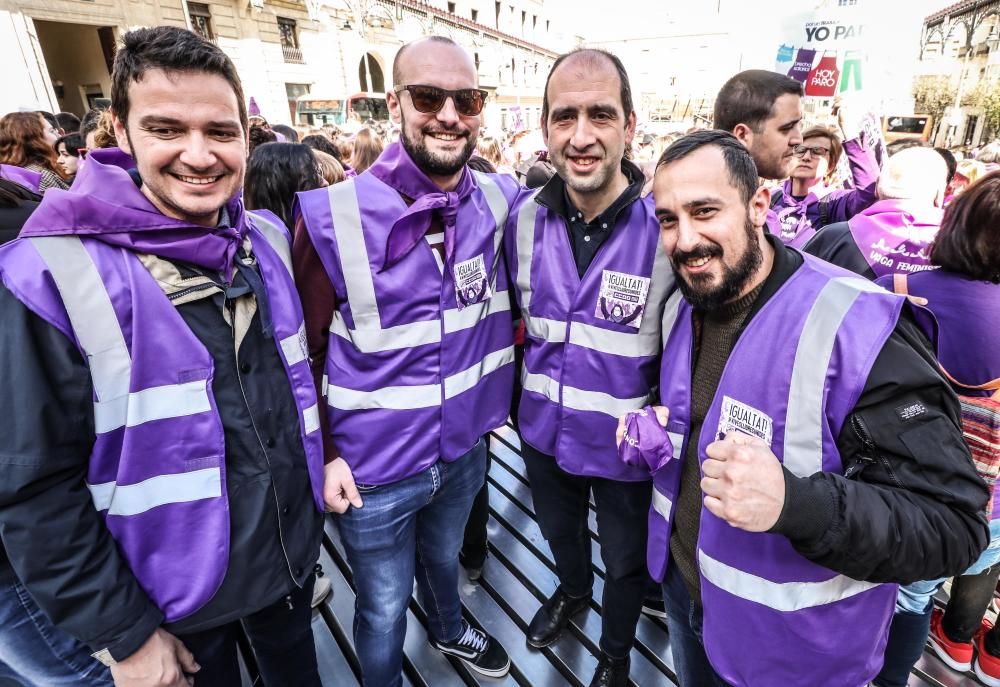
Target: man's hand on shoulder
{"points": [[743, 482], [163, 661], [339, 491]]}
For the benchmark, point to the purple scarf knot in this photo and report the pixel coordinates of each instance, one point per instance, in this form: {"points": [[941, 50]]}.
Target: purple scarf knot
{"points": [[645, 443], [397, 170]]}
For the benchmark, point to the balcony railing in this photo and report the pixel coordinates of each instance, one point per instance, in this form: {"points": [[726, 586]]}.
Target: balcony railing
{"points": [[292, 54]]}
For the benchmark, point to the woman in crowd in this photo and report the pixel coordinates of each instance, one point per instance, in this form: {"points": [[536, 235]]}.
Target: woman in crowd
{"points": [[275, 173], [489, 148], [68, 152], [329, 168], [23, 144], [961, 317], [367, 147]]}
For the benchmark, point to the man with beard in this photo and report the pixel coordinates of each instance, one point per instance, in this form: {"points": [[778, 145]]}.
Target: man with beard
{"points": [[591, 283], [763, 110], [414, 357], [163, 466], [807, 455]]}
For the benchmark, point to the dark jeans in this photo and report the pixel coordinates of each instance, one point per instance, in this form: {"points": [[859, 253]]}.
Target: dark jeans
{"points": [[411, 527], [282, 640], [561, 507], [684, 629], [35, 653]]}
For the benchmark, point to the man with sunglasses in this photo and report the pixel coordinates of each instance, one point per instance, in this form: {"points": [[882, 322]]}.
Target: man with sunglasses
{"points": [[409, 328], [591, 283]]}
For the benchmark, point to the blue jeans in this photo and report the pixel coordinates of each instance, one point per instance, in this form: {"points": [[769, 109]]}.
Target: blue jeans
{"points": [[35, 653], [684, 620], [412, 527]]}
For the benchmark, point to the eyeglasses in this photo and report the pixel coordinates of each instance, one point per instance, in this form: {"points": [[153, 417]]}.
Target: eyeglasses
{"points": [[817, 151], [430, 99]]}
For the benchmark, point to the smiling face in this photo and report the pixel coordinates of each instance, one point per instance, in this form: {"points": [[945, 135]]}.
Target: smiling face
{"points": [[714, 239], [440, 143], [772, 146], [587, 131], [812, 167], [185, 135]]}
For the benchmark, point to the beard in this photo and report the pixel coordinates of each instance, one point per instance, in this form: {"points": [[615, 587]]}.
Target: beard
{"points": [[699, 293], [432, 163], [595, 181]]}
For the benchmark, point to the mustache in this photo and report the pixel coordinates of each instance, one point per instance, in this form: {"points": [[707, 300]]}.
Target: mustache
{"points": [[705, 250], [454, 131]]}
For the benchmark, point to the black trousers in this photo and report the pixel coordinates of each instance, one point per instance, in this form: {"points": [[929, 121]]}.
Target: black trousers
{"points": [[282, 642], [970, 595], [474, 542], [561, 507]]}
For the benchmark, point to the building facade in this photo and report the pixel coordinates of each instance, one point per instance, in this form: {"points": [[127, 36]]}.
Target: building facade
{"points": [[59, 52], [961, 43]]}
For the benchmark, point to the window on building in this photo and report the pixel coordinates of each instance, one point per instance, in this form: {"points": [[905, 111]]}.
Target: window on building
{"points": [[546, 26], [201, 20], [475, 15], [292, 93], [289, 37], [451, 8], [476, 56], [846, 3], [524, 19], [498, 14]]}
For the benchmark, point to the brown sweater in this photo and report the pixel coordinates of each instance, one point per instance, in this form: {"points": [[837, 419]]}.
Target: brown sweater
{"points": [[715, 336]]}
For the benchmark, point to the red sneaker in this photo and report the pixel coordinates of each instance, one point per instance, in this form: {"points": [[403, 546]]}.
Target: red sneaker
{"points": [[957, 655], [987, 665]]}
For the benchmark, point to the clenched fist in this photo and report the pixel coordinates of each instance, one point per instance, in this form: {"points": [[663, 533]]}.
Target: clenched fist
{"points": [[743, 482]]}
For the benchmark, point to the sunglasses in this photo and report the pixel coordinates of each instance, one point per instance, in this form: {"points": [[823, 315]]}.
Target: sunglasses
{"points": [[817, 151], [430, 99]]}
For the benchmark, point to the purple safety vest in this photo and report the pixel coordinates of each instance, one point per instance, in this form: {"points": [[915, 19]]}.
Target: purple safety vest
{"points": [[592, 345], [157, 467], [411, 377], [794, 391], [896, 235], [30, 179]]}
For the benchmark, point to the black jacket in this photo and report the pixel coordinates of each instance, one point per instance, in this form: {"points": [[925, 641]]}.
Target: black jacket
{"points": [[836, 245], [56, 542], [910, 506]]}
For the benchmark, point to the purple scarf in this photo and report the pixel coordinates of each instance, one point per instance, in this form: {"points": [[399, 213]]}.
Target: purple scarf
{"points": [[105, 204], [793, 213], [645, 444], [395, 169], [896, 235], [27, 178]]}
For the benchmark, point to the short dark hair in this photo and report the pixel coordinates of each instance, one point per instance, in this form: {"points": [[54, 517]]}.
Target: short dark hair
{"points": [[949, 159], [480, 164], [259, 135], [275, 173], [749, 97], [171, 49], [73, 143], [321, 143], [90, 121], [594, 54], [969, 239], [397, 61], [290, 134], [50, 118], [68, 122], [739, 163]]}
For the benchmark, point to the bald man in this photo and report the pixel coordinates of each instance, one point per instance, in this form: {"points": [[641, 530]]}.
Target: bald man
{"points": [[892, 236], [591, 283], [409, 329]]}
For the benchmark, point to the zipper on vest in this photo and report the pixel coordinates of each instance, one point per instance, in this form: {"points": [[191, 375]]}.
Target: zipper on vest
{"points": [[191, 289]]}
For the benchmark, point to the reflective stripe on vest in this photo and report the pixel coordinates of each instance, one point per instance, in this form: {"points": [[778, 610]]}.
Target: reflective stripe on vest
{"points": [[96, 327], [580, 399], [781, 596], [294, 348], [526, 249], [803, 445], [368, 336], [662, 504]]}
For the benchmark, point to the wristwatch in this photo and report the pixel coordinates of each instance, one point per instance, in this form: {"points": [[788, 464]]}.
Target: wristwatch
{"points": [[104, 656]]}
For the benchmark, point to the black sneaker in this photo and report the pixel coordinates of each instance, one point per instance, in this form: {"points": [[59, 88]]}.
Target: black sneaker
{"points": [[478, 650]]}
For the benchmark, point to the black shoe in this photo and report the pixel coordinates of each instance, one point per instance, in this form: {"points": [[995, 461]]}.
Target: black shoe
{"points": [[478, 650], [552, 618], [611, 672], [653, 606]]}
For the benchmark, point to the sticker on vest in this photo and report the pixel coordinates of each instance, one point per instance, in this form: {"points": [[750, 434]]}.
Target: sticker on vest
{"points": [[472, 284], [622, 298], [743, 418], [790, 225]]}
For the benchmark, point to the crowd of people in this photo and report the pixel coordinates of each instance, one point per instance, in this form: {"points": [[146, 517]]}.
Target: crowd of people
{"points": [[778, 387]]}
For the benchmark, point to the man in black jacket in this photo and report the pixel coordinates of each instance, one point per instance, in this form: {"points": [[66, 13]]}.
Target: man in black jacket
{"points": [[69, 538], [895, 497]]}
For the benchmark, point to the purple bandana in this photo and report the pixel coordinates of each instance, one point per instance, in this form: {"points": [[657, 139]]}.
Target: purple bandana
{"points": [[105, 204], [645, 444], [395, 168], [792, 214], [896, 235]]}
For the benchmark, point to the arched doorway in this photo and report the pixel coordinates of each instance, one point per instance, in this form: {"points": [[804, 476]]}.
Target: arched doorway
{"points": [[370, 74]]}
